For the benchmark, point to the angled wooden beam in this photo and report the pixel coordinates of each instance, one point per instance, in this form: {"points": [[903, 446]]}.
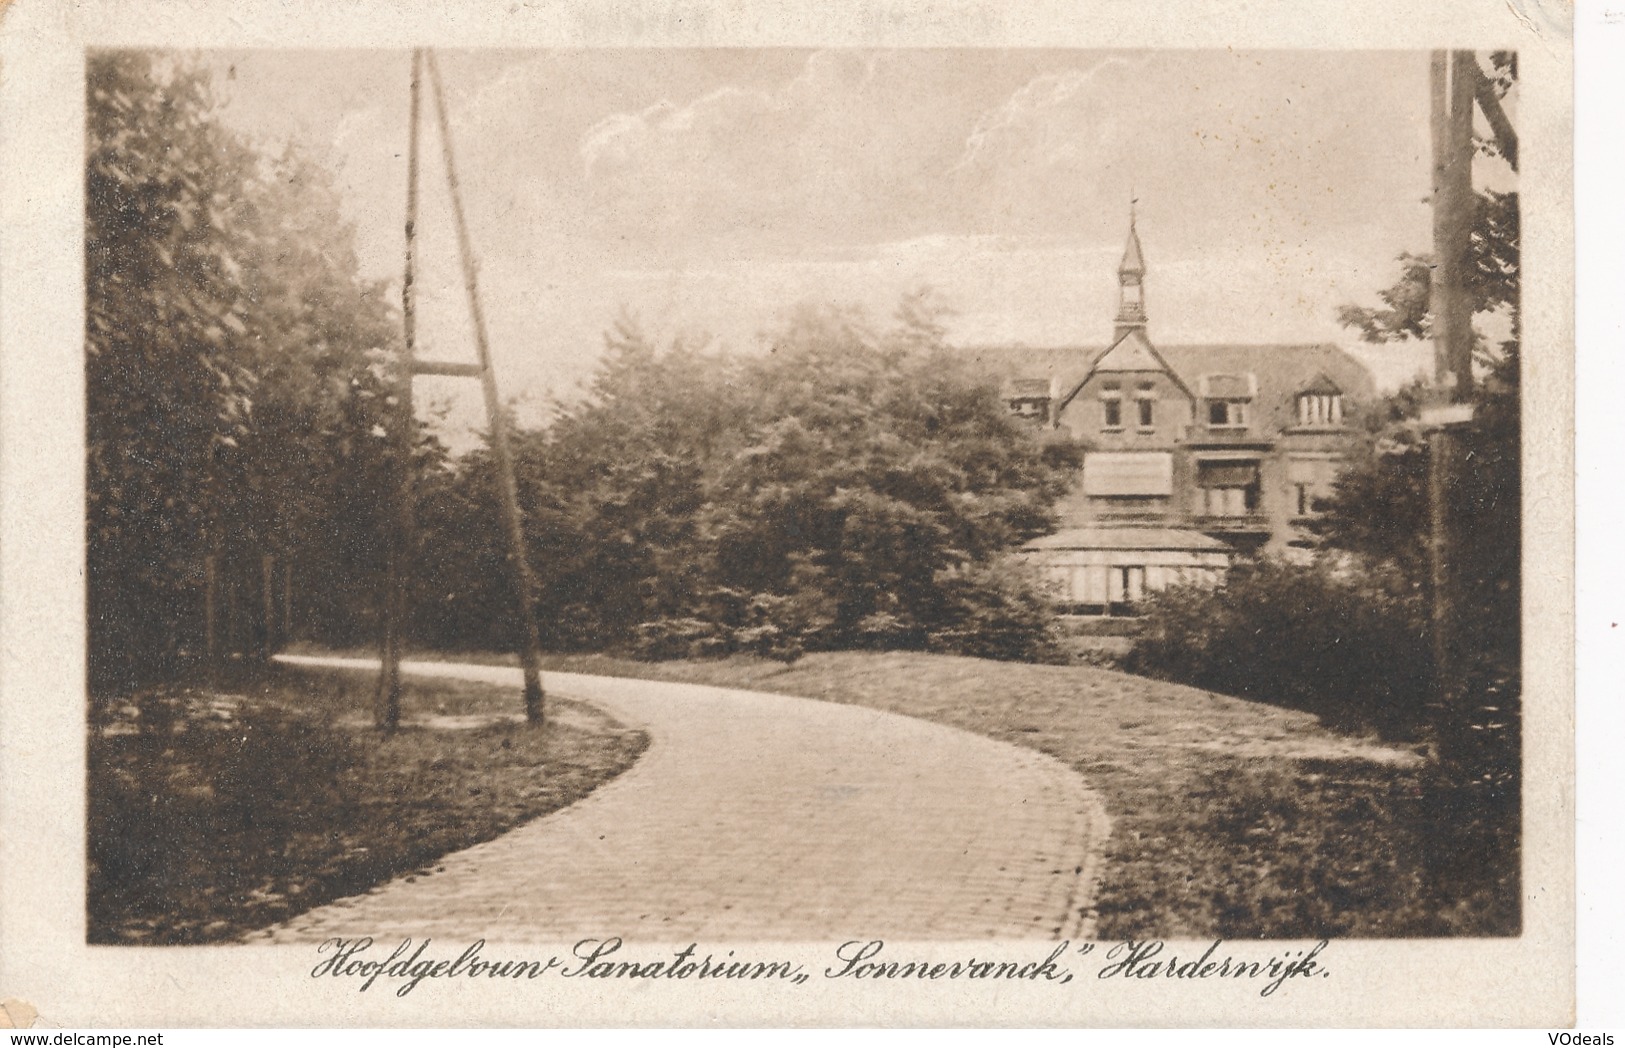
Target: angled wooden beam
{"points": [[1462, 205], [1505, 136], [530, 655], [387, 708], [451, 368]]}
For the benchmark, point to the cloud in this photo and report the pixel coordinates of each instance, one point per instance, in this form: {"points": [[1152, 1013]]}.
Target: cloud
{"points": [[1064, 152], [755, 164], [1217, 145], [1044, 121]]}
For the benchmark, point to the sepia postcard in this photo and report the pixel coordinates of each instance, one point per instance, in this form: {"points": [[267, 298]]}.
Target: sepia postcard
{"points": [[938, 514]]}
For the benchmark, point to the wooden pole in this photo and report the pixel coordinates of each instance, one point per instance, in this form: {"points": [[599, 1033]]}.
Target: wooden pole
{"points": [[1439, 96], [1454, 80], [388, 708], [524, 580], [1442, 466], [267, 605], [1457, 251], [233, 611], [211, 610]]}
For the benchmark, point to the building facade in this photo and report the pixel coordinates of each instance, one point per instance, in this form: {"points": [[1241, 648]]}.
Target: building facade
{"points": [[1192, 455]]}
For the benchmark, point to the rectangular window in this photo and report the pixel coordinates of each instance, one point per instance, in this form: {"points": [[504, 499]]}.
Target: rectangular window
{"points": [[1111, 405], [1227, 489], [1230, 502], [1144, 398], [1312, 477], [1125, 585], [1226, 413]]}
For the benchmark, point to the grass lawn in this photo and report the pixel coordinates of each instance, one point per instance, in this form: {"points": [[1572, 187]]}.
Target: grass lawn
{"points": [[1230, 818], [216, 811]]}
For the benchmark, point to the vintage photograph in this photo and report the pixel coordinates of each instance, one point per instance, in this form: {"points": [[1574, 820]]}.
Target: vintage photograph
{"points": [[781, 495]]}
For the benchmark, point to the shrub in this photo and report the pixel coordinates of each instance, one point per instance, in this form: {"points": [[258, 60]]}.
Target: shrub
{"points": [[1349, 646], [730, 623], [996, 611], [992, 611], [681, 638]]}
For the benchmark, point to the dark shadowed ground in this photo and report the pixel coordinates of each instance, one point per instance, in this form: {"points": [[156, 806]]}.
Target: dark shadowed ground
{"points": [[218, 810]]}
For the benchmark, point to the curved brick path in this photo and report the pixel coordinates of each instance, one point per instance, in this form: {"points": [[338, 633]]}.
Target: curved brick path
{"points": [[763, 817]]}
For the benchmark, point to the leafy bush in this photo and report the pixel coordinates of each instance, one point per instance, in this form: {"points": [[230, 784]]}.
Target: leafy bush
{"points": [[993, 611], [729, 623], [682, 638], [996, 611], [1350, 647]]}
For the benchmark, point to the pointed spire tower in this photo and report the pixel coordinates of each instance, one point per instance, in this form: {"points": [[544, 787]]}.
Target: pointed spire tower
{"points": [[1130, 284]]}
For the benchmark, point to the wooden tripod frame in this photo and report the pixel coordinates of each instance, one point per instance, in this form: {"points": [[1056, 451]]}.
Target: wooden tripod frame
{"points": [[401, 539]]}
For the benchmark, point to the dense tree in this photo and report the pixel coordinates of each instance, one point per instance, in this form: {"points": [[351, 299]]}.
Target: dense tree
{"points": [[1379, 509], [1380, 512], [849, 486], [236, 367], [1378, 519]]}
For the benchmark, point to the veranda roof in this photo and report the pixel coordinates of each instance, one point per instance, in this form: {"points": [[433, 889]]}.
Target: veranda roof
{"points": [[1128, 538]]}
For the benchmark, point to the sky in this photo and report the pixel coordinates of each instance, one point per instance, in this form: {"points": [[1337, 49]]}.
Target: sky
{"points": [[706, 192]]}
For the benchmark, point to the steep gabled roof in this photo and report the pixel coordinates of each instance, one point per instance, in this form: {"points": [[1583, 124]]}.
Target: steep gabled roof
{"points": [[1321, 386], [1132, 352], [1064, 365], [1282, 371]]}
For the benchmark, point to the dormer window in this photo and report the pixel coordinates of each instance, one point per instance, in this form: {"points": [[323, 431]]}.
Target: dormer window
{"points": [[1227, 397], [1320, 404], [1320, 409], [1029, 398]]}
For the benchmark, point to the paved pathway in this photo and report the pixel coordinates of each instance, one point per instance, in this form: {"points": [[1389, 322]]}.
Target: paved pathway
{"points": [[764, 817]]}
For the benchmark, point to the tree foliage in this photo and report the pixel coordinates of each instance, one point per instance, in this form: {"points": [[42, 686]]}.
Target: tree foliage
{"points": [[1350, 647], [236, 366], [849, 487], [1380, 513], [1376, 525]]}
